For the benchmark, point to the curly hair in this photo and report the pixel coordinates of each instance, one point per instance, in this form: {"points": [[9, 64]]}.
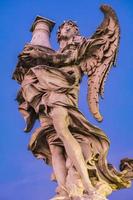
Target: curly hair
{"points": [[70, 23]]}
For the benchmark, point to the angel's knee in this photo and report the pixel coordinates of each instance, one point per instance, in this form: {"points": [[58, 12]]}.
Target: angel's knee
{"points": [[60, 117], [56, 150]]}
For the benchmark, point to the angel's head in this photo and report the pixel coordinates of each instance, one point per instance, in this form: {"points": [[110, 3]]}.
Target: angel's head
{"points": [[67, 30]]}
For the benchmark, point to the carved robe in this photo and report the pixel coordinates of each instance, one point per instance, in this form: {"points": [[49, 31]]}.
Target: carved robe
{"points": [[45, 87]]}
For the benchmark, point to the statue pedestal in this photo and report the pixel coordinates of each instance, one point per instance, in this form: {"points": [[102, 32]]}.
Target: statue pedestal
{"points": [[84, 197]]}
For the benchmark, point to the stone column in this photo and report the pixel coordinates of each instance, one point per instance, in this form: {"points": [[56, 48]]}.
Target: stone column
{"points": [[41, 30]]}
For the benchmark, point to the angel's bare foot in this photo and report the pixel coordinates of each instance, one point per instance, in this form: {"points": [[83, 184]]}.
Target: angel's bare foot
{"points": [[93, 196], [60, 197]]}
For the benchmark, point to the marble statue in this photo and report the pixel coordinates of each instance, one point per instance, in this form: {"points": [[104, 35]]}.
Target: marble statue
{"points": [[49, 89]]}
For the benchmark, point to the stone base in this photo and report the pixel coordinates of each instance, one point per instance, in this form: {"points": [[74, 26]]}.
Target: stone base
{"points": [[94, 196]]}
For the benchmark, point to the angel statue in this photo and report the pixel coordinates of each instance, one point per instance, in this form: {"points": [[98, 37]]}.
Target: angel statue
{"points": [[50, 82]]}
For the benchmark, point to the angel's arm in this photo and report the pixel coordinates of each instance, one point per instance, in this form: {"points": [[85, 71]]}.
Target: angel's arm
{"points": [[60, 59], [50, 58]]}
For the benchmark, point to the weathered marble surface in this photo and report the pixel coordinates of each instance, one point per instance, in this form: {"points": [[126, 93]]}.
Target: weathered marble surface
{"points": [[49, 85]]}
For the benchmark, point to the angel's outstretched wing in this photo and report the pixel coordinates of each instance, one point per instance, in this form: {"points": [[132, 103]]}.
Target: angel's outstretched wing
{"points": [[99, 56]]}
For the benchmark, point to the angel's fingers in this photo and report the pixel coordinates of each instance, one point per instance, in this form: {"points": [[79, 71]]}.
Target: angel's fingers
{"points": [[21, 77], [26, 52], [29, 48], [27, 59], [23, 56]]}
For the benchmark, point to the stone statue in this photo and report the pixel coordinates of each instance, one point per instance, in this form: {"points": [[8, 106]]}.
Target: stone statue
{"points": [[50, 82]]}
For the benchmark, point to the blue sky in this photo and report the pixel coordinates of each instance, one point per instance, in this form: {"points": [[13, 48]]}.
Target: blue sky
{"points": [[21, 175]]}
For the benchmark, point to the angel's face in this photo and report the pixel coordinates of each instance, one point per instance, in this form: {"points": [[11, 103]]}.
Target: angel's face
{"points": [[67, 31]]}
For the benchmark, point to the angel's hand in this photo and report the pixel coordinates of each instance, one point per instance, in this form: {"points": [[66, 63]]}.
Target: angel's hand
{"points": [[29, 54]]}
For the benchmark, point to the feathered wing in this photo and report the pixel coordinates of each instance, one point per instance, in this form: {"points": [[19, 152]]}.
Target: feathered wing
{"points": [[100, 55]]}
